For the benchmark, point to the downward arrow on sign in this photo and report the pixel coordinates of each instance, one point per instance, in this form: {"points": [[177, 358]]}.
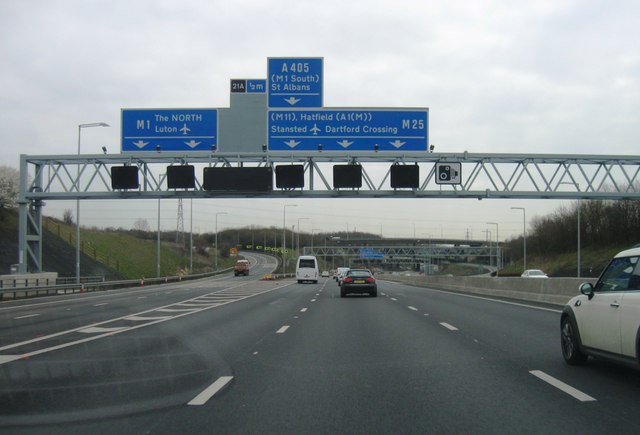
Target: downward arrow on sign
{"points": [[141, 144], [292, 100]]}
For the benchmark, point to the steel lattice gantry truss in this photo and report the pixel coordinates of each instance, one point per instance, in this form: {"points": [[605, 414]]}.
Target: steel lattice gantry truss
{"points": [[71, 177], [416, 253]]}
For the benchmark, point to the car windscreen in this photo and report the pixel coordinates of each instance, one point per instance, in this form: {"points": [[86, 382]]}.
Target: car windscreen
{"points": [[359, 273], [621, 274]]}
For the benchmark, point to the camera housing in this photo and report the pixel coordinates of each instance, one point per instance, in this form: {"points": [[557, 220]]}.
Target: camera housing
{"points": [[448, 173]]}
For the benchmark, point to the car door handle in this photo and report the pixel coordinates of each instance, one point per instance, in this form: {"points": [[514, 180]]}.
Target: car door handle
{"points": [[615, 304]]}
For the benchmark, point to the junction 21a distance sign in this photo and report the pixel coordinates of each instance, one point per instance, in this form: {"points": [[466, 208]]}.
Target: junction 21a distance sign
{"points": [[169, 130], [348, 130]]}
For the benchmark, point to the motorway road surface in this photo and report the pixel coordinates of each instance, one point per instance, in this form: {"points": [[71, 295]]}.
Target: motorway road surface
{"points": [[240, 355]]}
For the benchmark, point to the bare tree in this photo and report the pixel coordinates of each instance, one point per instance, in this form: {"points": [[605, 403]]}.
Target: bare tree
{"points": [[141, 225], [67, 217], [9, 187]]}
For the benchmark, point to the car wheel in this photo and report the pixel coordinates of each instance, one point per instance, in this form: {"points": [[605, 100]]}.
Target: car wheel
{"points": [[342, 293], [570, 348]]}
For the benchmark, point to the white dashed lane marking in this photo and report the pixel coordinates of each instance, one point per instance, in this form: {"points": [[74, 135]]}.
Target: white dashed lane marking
{"points": [[26, 316], [211, 390], [449, 327], [573, 392]]}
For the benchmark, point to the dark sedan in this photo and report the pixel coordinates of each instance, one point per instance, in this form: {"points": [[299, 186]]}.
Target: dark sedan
{"points": [[359, 281]]}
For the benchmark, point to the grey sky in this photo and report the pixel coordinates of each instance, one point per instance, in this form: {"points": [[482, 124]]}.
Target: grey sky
{"points": [[497, 76]]}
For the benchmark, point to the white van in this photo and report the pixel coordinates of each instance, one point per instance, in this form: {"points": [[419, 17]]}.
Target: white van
{"points": [[307, 269]]}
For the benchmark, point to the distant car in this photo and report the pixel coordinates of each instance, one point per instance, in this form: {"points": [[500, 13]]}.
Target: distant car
{"points": [[534, 273], [603, 321], [325, 274], [359, 281], [340, 272]]}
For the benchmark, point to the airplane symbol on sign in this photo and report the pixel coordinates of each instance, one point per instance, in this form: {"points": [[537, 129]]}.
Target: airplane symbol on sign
{"points": [[185, 129], [315, 129]]}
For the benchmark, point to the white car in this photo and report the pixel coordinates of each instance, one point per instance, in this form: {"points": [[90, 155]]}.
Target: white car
{"points": [[605, 319], [533, 273], [341, 272]]}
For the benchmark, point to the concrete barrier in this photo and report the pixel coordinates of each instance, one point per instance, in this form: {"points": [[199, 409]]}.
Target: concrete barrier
{"points": [[556, 291], [28, 280]]}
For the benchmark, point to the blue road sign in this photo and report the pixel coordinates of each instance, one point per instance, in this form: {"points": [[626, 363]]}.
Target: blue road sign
{"points": [[370, 254], [169, 129], [248, 86], [295, 82], [256, 86], [348, 130]]}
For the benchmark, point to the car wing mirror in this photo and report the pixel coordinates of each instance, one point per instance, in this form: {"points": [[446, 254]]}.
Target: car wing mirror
{"points": [[586, 289]]}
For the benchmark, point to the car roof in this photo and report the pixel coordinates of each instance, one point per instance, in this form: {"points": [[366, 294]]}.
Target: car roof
{"points": [[628, 253]]}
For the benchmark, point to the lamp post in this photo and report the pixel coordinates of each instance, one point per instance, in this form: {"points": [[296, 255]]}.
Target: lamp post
{"points": [[577, 186], [299, 219], [216, 240], [524, 232], [191, 236], [158, 244], [497, 246], [284, 234], [80, 127]]}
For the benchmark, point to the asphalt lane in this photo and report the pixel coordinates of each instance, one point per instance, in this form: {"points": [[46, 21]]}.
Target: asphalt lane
{"points": [[297, 358]]}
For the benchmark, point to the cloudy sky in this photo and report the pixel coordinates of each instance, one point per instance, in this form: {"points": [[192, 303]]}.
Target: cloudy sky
{"points": [[498, 76]]}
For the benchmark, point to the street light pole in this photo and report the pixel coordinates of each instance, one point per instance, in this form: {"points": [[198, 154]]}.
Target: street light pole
{"points": [[216, 240], [191, 236], [497, 247], [284, 234], [524, 232], [577, 186], [578, 238], [80, 127]]}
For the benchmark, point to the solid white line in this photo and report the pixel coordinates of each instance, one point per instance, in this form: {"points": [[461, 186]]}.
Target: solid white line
{"points": [[146, 319], [449, 327], [100, 330], [304, 310], [412, 308], [282, 330], [393, 299], [9, 358], [26, 317], [577, 394], [99, 305], [484, 298], [211, 390]]}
